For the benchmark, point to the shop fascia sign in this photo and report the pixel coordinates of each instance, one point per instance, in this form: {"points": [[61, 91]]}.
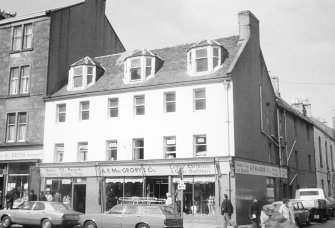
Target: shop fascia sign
{"points": [[259, 170], [158, 170], [21, 155], [68, 172]]}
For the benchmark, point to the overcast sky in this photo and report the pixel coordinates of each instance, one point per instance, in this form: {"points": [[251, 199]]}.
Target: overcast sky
{"points": [[297, 36]]}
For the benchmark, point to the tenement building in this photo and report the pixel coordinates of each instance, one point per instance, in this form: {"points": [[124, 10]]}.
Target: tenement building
{"points": [[36, 51], [196, 120]]}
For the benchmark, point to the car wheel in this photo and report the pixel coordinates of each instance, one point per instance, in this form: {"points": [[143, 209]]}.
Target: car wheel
{"points": [[46, 223], [6, 222], [142, 225], [90, 224]]}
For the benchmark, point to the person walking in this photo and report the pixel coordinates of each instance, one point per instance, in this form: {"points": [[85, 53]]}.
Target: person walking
{"points": [[43, 197], [168, 201], [10, 199], [32, 196], [286, 210], [254, 213], [226, 210]]}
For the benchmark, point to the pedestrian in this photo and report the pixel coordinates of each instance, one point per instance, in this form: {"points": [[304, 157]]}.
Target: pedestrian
{"points": [[286, 210], [263, 216], [168, 201], [226, 210], [57, 197], [43, 197], [254, 212], [276, 219], [32, 196], [10, 199], [48, 196]]}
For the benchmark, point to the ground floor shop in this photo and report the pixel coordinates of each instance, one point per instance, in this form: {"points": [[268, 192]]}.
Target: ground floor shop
{"points": [[197, 185]]}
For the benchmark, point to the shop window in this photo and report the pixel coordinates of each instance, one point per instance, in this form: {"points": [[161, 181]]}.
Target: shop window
{"points": [[200, 145], [59, 152], [170, 146], [22, 37], [82, 151], [84, 110], [198, 197], [170, 101], [138, 149], [111, 150], [139, 105], [199, 99], [113, 107], [16, 127], [61, 113], [60, 190], [19, 80], [270, 189]]}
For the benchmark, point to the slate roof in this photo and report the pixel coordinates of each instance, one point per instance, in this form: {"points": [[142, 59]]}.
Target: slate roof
{"points": [[280, 102], [142, 52], [323, 127], [172, 71], [205, 43], [87, 61]]}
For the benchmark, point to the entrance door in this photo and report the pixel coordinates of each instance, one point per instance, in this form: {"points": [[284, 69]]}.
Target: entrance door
{"points": [[79, 197], [157, 187]]}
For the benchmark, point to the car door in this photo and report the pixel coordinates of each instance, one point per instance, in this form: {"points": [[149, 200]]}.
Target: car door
{"points": [[131, 216], [23, 215], [37, 213], [113, 218]]}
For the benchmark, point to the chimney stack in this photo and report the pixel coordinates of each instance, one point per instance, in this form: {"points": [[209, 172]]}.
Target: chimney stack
{"points": [[248, 26], [303, 106], [5, 15], [275, 85]]}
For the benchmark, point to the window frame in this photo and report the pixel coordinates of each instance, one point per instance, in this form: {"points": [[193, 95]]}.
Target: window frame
{"points": [[22, 38], [113, 107], [167, 153], [19, 80], [85, 74], [137, 106], [59, 113], [111, 149], [59, 152], [82, 152], [135, 148], [16, 127], [143, 66], [197, 99], [196, 144], [82, 111], [170, 102]]}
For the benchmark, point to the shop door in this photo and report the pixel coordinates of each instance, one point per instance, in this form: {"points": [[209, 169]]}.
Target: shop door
{"points": [[157, 187], [79, 197]]}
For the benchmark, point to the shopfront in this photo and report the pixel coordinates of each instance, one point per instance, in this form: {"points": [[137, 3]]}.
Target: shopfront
{"points": [[103, 185], [15, 175]]}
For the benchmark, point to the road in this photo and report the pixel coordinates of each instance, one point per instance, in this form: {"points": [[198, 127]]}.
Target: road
{"points": [[329, 224]]}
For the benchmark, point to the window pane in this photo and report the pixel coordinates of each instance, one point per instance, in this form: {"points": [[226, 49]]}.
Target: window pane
{"points": [[85, 105], [135, 63], [200, 104], [78, 70], [22, 118], [17, 38], [14, 79], [89, 70], [11, 125], [82, 151], [25, 72], [28, 35], [85, 115], [22, 121], [202, 65], [171, 107], [139, 100], [89, 79], [84, 109], [139, 143], [201, 53], [62, 108], [11, 118], [78, 81], [135, 74], [170, 96]]}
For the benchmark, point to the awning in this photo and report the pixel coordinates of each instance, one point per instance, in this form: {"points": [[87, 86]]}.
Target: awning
{"points": [[125, 180], [195, 179]]}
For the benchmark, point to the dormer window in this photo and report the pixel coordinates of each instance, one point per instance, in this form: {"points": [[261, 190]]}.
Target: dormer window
{"points": [[141, 66], [205, 57], [83, 74]]}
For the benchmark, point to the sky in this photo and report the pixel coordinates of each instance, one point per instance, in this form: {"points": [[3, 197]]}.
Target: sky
{"points": [[297, 36]]}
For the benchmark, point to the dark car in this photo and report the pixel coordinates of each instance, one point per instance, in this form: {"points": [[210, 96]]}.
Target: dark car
{"points": [[301, 214], [43, 213], [134, 216]]}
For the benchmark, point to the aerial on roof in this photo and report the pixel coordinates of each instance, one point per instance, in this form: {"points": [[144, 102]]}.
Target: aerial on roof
{"points": [[173, 70]]}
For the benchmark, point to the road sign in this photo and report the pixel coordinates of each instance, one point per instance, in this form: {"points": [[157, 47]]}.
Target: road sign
{"points": [[181, 186]]}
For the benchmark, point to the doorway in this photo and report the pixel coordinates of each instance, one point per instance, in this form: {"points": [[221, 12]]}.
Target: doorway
{"points": [[79, 197], [157, 187]]}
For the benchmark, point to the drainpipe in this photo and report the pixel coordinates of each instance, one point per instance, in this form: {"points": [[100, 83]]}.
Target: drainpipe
{"points": [[227, 84], [261, 107]]}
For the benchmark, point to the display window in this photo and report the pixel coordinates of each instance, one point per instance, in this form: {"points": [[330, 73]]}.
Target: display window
{"points": [[198, 197]]}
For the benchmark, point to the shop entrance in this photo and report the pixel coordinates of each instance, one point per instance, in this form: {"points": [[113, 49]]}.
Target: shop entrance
{"points": [[79, 197], [157, 187]]}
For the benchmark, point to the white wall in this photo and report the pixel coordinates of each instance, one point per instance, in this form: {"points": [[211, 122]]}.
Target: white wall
{"points": [[153, 126]]}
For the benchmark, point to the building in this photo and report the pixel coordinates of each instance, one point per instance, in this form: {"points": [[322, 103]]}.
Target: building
{"points": [[36, 51], [131, 125], [296, 148]]}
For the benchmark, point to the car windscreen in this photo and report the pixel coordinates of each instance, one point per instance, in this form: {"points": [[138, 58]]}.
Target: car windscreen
{"points": [[169, 211], [59, 207], [309, 193]]}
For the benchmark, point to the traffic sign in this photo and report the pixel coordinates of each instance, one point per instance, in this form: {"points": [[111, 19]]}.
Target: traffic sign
{"points": [[181, 186]]}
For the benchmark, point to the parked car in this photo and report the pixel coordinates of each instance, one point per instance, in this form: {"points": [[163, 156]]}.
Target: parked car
{"points": [[301, 214], [43, 213], [331, 205], [134, 216]]}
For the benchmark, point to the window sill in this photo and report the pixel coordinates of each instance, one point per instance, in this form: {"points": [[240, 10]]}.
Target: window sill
{"points": [[18, 95], [23, 143], [21, 50]]}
